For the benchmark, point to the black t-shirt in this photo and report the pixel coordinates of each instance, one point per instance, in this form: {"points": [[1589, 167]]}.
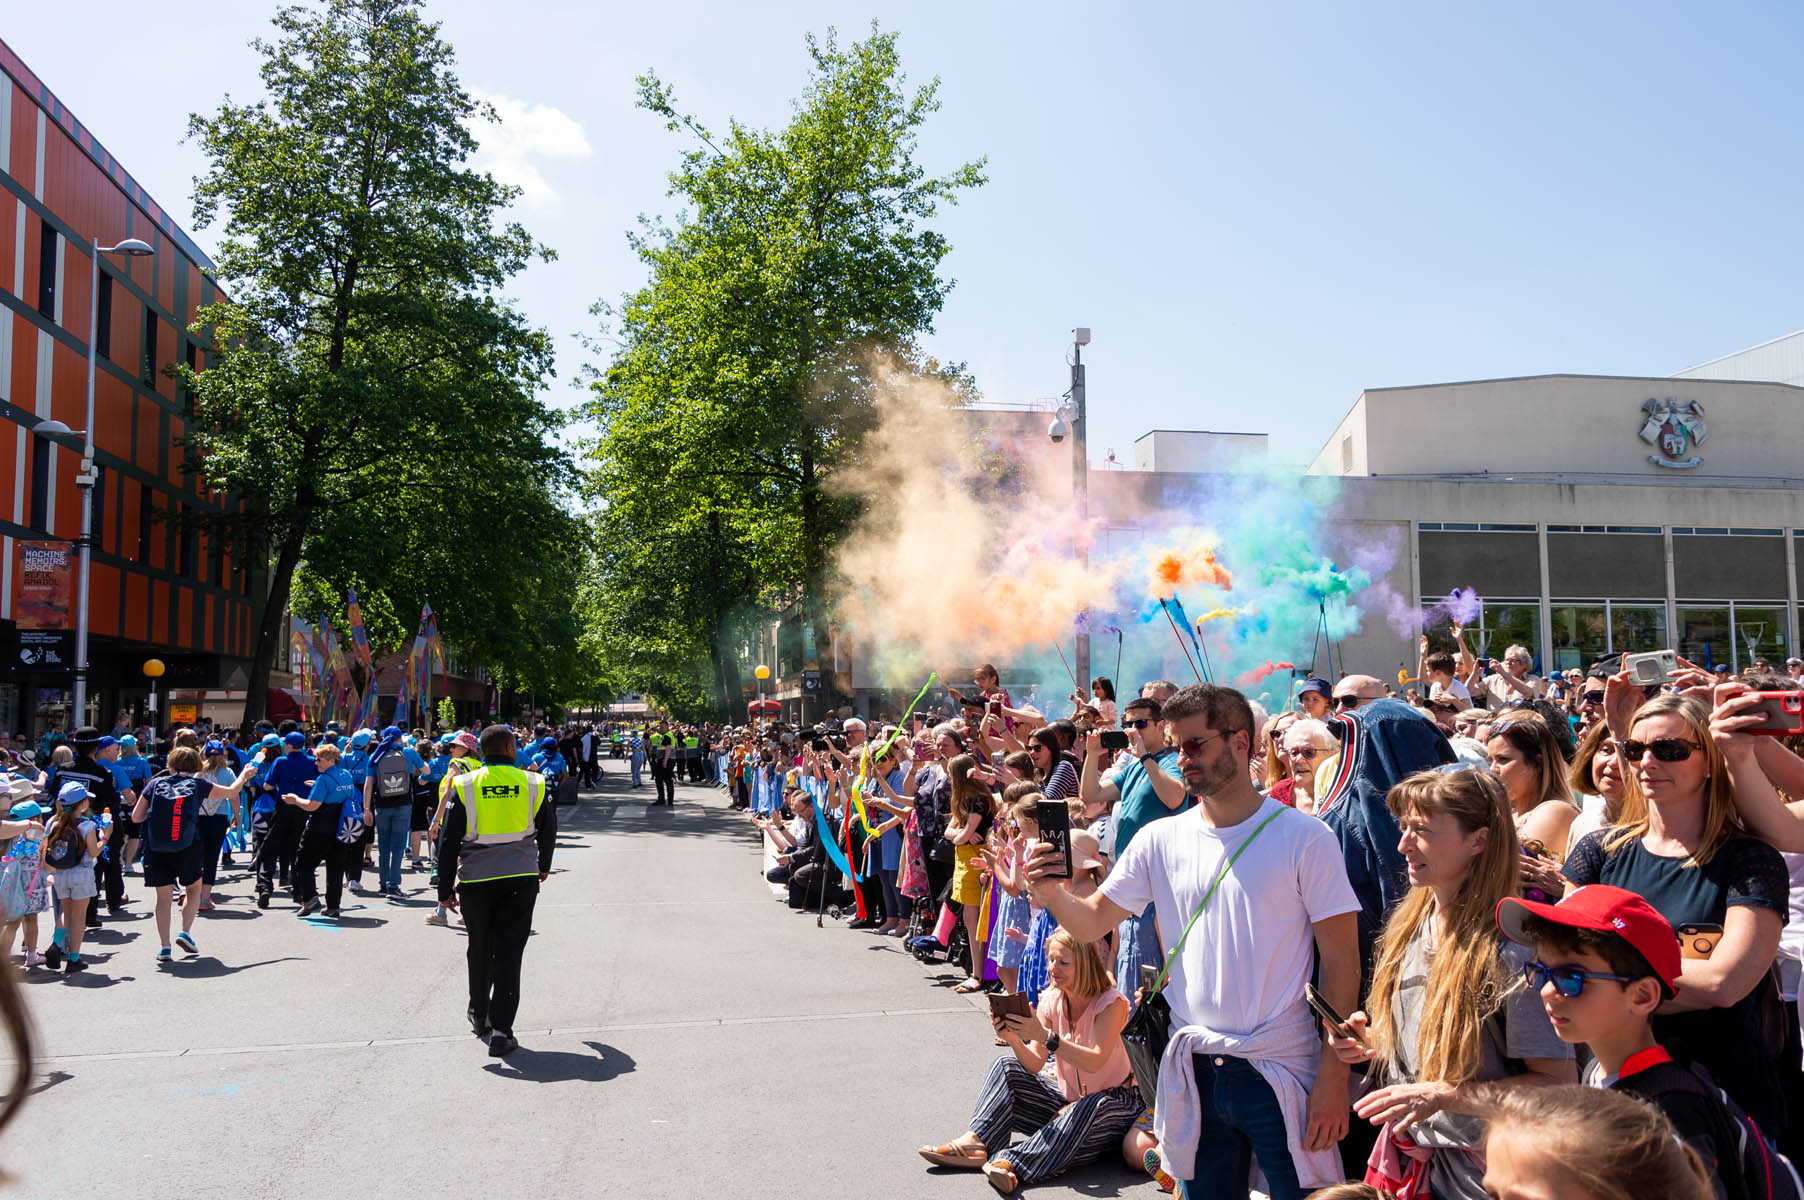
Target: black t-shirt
{"points": [[1746, 871], [99, 780]]}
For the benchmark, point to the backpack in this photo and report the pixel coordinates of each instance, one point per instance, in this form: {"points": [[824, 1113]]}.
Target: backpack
{"points": [[67, 850], [174, 810], [394, 782], [1747, 1163], [350, 818], [19, 875]]}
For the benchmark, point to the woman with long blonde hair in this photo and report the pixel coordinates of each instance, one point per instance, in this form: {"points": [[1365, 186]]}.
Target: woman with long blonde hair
{"points": [[1449, 1012], [1724, 891]]}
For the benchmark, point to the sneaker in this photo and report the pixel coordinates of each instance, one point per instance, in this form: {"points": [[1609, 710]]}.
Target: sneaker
{"points": [[226, 861], [309, 908], [438, 916], [75, 965], [395, 894], [207, 906], [262, 899], [164, 957], [1155, 1168], [185, 940], [53, 956], [33, 959]]}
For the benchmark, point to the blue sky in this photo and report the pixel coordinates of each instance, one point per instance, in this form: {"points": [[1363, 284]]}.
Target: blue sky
{"points": [[1259, 209]]}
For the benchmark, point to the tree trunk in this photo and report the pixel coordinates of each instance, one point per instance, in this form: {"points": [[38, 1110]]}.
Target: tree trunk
{"points": [[269, 623]]}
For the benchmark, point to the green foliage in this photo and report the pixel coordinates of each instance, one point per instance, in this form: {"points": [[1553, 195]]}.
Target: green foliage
{"points": [[746, 368], [369, 388], [447, 713]]}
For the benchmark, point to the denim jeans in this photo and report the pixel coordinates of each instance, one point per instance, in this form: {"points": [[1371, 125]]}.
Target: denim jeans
{"points": [[392, 830], [1240, 1119]]}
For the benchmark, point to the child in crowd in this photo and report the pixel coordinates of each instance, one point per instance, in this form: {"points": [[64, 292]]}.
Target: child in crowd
{"points": [[1604, 962], [1569, 1142], [75, 887], [22, 833], [1008, 936]]}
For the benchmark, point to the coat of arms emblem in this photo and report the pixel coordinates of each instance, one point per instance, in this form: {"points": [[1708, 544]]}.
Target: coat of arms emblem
{"points": [[1674, 429]]}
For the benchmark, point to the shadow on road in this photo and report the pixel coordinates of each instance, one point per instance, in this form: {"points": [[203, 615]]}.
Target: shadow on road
{"points": [[564, 1066], [212, 968]]}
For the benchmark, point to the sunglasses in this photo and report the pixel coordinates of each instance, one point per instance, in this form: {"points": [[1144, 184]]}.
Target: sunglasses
{"points": [[1308, 752], [1349, 701], [1567, 981], [1665, 749], [1137, 723], [1592, 698], [1193, 747]]}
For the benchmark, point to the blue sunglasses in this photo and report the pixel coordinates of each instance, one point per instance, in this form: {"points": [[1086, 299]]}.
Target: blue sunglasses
{"points": [[1568, 981]]}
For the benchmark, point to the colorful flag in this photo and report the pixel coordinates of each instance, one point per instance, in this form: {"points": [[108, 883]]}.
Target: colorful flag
{"points": [[360, 641]]}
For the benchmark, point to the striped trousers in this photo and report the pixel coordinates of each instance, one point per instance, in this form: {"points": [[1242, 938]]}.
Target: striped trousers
{"points": [[1016, 1100]]}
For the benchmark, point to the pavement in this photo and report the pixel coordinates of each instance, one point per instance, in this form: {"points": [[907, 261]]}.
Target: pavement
{"points": [[681, 1033]]}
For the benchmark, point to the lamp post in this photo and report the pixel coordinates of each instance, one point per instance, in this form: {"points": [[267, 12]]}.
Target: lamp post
{"points": [[90, 475], [1072, 420], [761, 673], [153, 671]]}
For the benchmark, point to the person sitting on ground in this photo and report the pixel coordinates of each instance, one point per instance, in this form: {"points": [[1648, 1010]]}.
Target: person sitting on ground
{"points": [[1072, 1114]]}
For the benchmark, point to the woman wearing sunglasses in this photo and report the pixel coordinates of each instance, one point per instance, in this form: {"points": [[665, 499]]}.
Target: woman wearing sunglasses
{"points": [[1450, 1009], [1307, 745], [1681, 845]]}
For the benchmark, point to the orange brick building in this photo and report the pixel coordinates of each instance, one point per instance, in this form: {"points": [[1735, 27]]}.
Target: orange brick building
{"points": [[156, 591]]}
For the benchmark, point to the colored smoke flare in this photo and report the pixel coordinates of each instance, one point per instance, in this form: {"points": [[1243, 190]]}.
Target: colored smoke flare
{"points": [[1180, 567], [1218, 614], [1259, 673]]}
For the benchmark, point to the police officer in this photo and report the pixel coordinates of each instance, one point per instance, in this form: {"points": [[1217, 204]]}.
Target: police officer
{"points": [[498, 835], [661, 749]]}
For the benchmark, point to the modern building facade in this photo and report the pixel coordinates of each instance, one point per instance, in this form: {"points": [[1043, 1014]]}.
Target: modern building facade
{"points": [[157, 590]]}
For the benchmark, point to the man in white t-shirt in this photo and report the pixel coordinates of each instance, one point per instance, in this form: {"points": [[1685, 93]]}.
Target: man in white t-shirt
{"points": [[1246, 1073]]}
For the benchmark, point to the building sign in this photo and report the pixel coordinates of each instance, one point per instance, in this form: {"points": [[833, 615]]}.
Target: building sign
{"points": [[42, 601], [183, 714], [46, 651], [1674, 429]]}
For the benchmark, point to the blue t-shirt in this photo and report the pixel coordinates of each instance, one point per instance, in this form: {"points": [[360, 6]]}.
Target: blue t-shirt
{"points": [[438, 766], [136, 768], [332, 788], [1139, 804], [357, 762], [552, 764], [293, 772]]}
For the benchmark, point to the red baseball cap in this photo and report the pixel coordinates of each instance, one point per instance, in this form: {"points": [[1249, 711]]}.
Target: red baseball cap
{"points": [[1603, 909]]}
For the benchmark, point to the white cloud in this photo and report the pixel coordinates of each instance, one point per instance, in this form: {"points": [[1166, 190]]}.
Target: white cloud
{"points": [[527, 134]]}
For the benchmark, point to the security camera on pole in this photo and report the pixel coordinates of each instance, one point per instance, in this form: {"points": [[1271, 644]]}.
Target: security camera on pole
{"points": [[1070, 422]]}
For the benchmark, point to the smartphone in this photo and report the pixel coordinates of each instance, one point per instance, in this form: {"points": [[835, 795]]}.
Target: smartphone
{"points": [[1699, 941], [1117, 739], [1149, 976], [1654, 667], [1054, 820], [1010, 1004], [1326, 1012], [996, 708], [1784, 713]]}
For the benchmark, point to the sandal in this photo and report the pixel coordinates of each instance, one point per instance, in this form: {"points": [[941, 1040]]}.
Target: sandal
{"points": [[952, 1154], [1001, 1176], [971, 984]]}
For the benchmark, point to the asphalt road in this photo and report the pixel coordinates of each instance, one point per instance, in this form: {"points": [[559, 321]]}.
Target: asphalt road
{"points": [[682, 1034]]}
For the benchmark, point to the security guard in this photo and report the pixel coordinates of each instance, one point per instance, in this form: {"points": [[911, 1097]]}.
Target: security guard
{"points": [[661, 748], [499, 834]]}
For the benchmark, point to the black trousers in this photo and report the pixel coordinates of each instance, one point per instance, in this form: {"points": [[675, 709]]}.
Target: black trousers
{"points": [[663, 777], [109, 872], [498, 919], [334, 854], [277, 843]]}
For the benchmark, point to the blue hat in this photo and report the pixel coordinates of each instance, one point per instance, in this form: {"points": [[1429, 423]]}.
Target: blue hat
{"points": [[213, 747], [270, 739], [548, 743], [1316, 683], [25, 810], [391, 731], [106, 739], [360, 739], [295, 738], [129, 741], [73, 792]]}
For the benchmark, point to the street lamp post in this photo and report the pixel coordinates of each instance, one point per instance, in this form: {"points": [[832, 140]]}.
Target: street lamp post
{"points": [[761, 673], [153, 670], [90, 474], [1072, 414]]}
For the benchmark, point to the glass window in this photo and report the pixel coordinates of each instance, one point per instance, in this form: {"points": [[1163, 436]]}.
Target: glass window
{"points": [[1581, 635], [1760, 632], [1705, 637], [1637, 628], [1505, 624]]}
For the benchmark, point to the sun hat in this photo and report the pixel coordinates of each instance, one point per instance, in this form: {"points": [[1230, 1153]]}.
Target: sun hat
{"points": [[25, 810], [467, 741], [73, 792]]}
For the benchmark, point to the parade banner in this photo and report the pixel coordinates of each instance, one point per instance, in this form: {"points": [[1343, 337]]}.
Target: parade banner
{"points": [[42, 598]]}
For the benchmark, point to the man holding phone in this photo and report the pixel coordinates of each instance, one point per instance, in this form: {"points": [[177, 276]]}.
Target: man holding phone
{"points": [[1245, 1073]]}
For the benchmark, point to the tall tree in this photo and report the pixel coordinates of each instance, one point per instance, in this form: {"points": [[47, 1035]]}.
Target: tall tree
{"points": [[745, 375], [366, 373]]}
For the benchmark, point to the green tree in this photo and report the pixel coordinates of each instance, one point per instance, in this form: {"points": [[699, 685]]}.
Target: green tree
{"points": [[368, 386], [745, 370]]}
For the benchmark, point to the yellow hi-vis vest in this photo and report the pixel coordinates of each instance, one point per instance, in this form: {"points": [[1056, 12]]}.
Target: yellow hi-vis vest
{"points": [[501, 804]]}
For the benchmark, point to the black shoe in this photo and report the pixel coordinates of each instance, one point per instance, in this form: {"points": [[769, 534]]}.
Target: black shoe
{"points": [[862, 923], [75, 965], [331, 913], [262, 899], [53, 956], [502, 1044], [309, 908], [478, 1025], [93, 921]]}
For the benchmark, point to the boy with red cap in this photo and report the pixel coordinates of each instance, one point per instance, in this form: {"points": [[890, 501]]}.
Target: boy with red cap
{"points": [[1605, 960]]}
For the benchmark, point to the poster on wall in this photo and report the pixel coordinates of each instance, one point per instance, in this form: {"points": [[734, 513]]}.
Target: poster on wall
{"points": [[42, 601], [183, 714]]}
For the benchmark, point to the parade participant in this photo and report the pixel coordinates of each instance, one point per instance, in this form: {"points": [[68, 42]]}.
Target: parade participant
{"points": [[496, 850], [425, 798], [354, 757], [131, 771], [1262, 891], [1451, 1022], [217, 812], [388, 788], [168, 809], [99, 781], [293, 773], [329, 806], [1065, 1082]]}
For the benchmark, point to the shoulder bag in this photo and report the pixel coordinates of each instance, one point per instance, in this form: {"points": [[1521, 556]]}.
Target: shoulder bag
{"points": [[1148, 1030]]}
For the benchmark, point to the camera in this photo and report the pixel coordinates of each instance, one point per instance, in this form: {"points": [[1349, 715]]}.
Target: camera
{"points": [[1058, 431]]}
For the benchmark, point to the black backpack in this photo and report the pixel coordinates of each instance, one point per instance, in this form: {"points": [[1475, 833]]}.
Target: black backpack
{"points": [[394, 782], [66, 849], [1746, 1162]]}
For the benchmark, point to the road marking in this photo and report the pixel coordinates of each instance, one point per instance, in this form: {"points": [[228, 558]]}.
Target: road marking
{"points": [[563, 1031]]}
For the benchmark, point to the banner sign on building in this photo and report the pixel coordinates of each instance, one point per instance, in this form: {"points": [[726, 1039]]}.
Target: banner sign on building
{"points": [[42, 601], [46, 651]]}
